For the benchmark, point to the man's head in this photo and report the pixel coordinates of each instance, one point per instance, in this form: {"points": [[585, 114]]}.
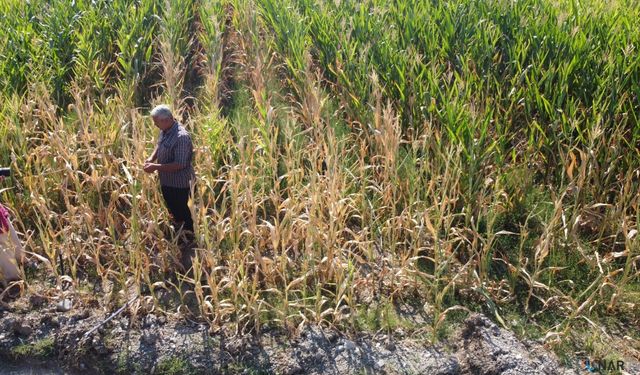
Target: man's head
{"points": [[162, 116]]}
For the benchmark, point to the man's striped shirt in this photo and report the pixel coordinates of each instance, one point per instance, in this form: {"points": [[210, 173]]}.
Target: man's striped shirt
{"points": [[174, 146]]}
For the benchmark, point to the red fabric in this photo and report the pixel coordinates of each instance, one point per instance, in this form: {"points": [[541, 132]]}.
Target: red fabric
{"points": [[4, 219]]}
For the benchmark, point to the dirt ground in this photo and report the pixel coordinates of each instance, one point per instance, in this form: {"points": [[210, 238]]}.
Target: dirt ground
{"points": [[41, 335]]}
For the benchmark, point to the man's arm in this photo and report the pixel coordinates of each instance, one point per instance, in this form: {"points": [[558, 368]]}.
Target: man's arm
{"points": [[170, 167], [182, 155], [153, 156]]}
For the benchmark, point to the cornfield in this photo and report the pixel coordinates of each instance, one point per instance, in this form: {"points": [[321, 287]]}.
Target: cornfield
{"points": [[454, 155]]}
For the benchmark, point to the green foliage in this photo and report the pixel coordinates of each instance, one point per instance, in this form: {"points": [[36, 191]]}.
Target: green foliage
{"points": [[173, 366], [94, 42], [44, 348], [533, 68]]}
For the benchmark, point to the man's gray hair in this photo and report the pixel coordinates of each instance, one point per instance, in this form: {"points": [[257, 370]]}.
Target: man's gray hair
{"points": [[161, 111]]}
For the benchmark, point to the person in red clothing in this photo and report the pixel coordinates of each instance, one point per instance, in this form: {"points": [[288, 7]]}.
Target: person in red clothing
{"points": [[11, 254]]}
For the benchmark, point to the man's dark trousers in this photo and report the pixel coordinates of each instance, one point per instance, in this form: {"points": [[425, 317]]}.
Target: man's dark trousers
{"points": [[176, 200]]}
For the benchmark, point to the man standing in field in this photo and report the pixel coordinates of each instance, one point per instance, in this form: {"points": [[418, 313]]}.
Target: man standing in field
{"points": [[172, 159]]}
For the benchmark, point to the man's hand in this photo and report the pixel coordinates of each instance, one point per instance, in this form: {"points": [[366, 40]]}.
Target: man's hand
{"points": [[1, 178], [150, 167]]}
